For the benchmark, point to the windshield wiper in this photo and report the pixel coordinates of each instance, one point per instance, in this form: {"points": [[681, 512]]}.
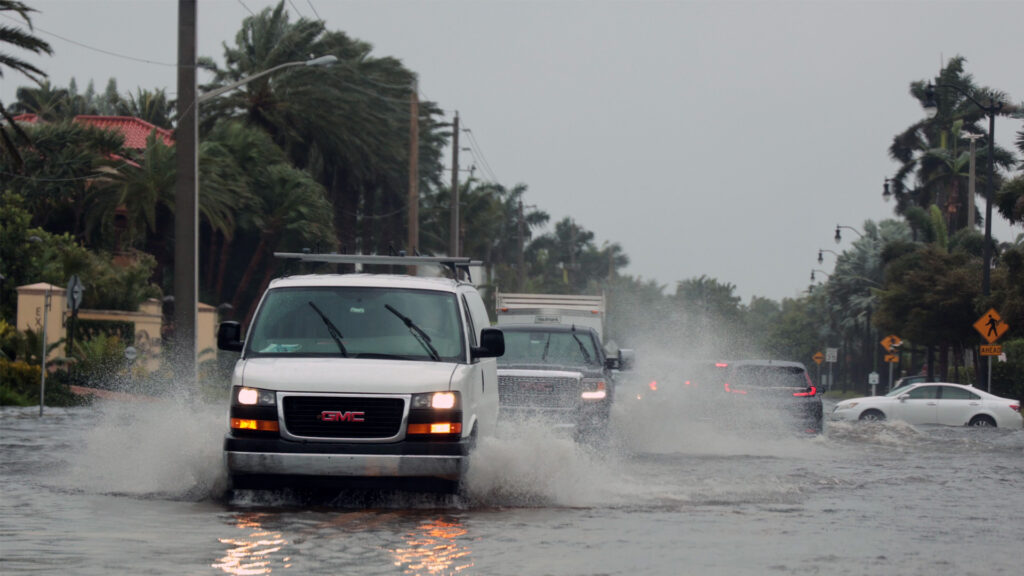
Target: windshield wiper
{"points": [[544, 355], [331, 329], [583, 349], [416, 331]]}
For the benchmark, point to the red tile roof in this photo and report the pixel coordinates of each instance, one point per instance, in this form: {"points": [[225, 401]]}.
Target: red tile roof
{"points": [[135, 130], [26, 118]]}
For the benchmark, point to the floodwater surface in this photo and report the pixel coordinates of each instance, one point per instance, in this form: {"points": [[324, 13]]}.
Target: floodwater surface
{"points": [[122, 488]]}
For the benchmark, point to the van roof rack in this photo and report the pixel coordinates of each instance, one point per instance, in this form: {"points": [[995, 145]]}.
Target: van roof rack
{"points": [[453, 263]]}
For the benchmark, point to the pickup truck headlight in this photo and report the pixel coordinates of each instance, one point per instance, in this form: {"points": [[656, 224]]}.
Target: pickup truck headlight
{"points": [[245, 396], [437, 400], [594, 390]]}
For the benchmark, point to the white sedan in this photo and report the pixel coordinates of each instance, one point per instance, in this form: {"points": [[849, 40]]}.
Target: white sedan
{"points": [[934, 403]]}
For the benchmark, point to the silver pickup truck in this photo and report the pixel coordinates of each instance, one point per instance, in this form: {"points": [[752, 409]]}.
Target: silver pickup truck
{"points": [[557, 374]]}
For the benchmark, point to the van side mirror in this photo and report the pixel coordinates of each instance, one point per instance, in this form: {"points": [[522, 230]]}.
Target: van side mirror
{"points": [[229, 336], [492, 344]]}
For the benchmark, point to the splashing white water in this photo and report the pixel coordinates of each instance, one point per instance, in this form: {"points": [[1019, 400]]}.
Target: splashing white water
{"points": [[163, 447]]}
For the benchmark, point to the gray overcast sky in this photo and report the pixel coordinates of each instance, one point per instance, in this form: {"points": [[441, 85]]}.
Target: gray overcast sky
{"points": [[717, 138]]}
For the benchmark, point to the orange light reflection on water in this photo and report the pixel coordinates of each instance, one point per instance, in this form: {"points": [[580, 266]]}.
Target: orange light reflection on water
{"points": [[254, 553], [433, 548]]}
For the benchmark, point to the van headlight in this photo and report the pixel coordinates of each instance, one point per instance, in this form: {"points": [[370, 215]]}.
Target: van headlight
{"points": [[436, 400], [245, 396]]}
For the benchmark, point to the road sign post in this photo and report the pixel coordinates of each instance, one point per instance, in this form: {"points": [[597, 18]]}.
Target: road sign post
{"points": [[831, 355], [991, 327], [892, 357]]}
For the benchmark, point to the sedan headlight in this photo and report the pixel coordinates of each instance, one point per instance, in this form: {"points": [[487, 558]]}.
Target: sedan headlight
{"points": [[245, 396], [845, 406]]}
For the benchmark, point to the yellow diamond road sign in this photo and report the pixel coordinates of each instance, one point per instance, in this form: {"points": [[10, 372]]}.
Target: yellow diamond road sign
{"points": [[991, 326], [891, 341], [819, 358]]}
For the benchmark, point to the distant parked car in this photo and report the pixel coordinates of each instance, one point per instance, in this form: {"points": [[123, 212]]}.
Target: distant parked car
{"points": [[934, 403]]}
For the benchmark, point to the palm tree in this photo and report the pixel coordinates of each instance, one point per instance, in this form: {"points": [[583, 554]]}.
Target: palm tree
{"points": [[926, 150], [16, 37], [296, 214], [347, 125]]}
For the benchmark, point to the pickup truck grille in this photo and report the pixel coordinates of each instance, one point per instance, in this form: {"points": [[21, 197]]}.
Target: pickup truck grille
{"points": [[539, 391], [356, 417]]}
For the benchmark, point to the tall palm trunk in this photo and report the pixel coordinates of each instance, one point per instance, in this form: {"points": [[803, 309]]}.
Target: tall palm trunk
{"points": [[243, 284]]}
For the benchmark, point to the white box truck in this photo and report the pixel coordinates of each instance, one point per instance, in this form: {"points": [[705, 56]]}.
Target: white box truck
{"points": [[546, 309]]}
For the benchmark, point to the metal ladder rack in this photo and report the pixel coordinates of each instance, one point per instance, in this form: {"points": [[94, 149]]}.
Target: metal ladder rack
{"points": [[453, 263]]}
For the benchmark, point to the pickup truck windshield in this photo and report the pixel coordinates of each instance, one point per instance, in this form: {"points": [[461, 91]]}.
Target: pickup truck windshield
{"points": [[553, 348], [298, 322]]}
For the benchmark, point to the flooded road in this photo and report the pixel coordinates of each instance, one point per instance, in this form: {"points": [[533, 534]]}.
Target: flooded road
{"points": [[138, 488]]}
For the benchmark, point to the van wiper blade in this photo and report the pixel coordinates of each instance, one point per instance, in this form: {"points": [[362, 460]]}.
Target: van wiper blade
{"points": [[422, 337], [331, 329]]}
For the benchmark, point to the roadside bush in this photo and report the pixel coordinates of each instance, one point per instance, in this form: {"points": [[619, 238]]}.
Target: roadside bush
{"points": [[19, 386], [1008, 377]]}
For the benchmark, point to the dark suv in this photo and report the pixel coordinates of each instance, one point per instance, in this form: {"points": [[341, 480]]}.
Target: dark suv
{"points": [[775, 384], [559, 374]]}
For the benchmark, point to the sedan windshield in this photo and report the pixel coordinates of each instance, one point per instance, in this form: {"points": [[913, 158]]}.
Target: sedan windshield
{"points": [[358, 322], [897, 391]]}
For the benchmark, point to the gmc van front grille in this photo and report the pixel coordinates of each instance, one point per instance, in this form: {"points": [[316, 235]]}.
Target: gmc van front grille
{"points": [[356, 417]]}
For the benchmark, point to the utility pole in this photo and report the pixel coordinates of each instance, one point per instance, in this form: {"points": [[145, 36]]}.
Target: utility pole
{"points": [[186, 204], [414, 181], [520, 257], [453, 242], [970, 182], [572, 248]]}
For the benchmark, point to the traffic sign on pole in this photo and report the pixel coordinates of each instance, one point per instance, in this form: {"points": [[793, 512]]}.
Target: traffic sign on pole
{"points": [[991, 326], [819, 358]]}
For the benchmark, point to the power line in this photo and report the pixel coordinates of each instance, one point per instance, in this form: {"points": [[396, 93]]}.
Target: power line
{"points": [[483, 157], [100, 50], [310, 2], [246, 7]]}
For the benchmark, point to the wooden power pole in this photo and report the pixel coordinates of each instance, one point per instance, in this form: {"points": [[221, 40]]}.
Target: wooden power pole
{"points": [[414, 180], [453, 239]]}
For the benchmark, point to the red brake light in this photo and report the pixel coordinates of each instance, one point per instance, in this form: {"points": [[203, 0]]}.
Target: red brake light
{"points": [[1015, 407], [720, 365], [810, 392], [653, 384], [729, 389]]}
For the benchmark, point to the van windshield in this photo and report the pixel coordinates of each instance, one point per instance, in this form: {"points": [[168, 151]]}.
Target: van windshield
{"points": [[356, 322]]}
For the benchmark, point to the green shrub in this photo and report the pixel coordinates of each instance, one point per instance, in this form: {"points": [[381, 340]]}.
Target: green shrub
{"points": [[19, 386]]}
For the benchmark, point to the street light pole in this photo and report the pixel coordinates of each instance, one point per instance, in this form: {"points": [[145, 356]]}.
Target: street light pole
{"points": [[186, 192], [839, 237], [931, 108]]}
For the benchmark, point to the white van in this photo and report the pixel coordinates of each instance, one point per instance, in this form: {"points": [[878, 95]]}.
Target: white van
{"points": [[354, 379]]}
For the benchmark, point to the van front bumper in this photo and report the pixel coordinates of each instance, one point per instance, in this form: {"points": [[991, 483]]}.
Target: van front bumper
{"points": [[277, 457]]}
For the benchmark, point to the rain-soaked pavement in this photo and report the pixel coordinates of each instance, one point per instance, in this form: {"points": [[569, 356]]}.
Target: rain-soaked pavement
{"points": [[126, 487]]}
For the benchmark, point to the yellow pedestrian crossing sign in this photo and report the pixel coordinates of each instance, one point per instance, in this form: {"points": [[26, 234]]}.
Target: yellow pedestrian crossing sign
{"points": [[991, 326]]}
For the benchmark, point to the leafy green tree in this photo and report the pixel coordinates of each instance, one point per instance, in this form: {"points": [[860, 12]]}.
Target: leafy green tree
{"points": [[63, 166], [929, 298], [15, 37]]}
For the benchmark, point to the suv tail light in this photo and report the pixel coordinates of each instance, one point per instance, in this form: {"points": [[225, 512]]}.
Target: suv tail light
{"points": [[729, 389], [809, 392]]}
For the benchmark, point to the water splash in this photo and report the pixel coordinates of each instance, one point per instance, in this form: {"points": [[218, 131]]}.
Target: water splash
{"points": [[160, 448]]}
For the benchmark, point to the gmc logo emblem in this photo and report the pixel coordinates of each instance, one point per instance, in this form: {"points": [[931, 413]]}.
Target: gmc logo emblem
{"points": [[336, 416]]}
